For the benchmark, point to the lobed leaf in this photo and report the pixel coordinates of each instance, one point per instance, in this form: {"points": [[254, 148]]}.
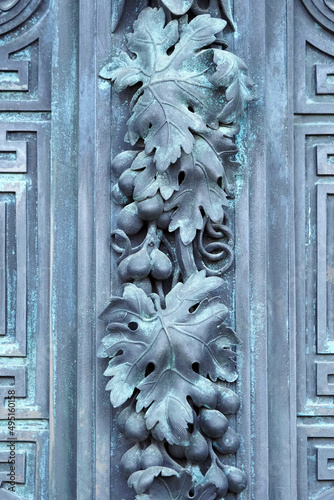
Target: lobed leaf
{"points": [[142, 479], [198, 192], [189, 330], [230, 74], [177, 97]]}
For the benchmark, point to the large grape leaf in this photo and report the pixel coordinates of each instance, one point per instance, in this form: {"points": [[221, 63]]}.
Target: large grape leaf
{"points": [[177, 96], [200, 190], [144, 337]]}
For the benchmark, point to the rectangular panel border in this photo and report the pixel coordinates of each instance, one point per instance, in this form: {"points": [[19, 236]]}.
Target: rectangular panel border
{"points": [[19, 347]]}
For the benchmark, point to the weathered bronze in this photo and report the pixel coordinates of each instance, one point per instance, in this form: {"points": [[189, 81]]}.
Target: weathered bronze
{"points": [[172, 356]]}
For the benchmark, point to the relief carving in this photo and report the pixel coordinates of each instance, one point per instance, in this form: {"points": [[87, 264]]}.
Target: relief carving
{"points": [[15, 12], [171, 354]]}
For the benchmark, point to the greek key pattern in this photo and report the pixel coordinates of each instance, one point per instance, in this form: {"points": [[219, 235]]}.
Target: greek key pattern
{"points": [[314, 142], [24, 259]]}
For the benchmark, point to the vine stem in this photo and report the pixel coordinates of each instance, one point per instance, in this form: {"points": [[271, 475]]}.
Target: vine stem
{"points": [[168, 458], [185, 254], [158, 284]]}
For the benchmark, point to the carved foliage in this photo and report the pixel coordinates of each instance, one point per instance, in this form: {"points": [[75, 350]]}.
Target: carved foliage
{"points": [[180, 92], [149, 335], [171, 355]]}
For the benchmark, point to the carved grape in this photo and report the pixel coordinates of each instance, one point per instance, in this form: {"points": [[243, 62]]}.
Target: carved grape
{"points": [[123, 417], [151, 208], [130, 461], [145, 284], [237, 479], [213, 423], [216, 476], [198, 449], [118, 197], [164, 219], [122, 162], [151, 457], [161, 265], [135, 427], [123, 272], [228, 402], [228, 443], [128, 219], [125, 182], [139, 264]]}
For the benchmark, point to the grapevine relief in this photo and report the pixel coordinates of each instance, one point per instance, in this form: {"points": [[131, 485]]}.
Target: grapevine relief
{"points": [[171, 354]]}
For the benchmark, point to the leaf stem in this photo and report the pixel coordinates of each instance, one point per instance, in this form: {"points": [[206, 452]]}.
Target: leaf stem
{"points": [[168, 458], [185, 255]]}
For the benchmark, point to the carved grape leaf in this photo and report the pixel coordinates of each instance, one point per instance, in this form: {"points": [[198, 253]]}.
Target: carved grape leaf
{"points": [[170, 340], [180, 488], [177, 96], [142, 479], [148, 181], [239, 87], [198, 191]]}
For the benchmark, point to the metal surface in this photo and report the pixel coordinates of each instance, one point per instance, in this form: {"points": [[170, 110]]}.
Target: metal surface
{"points": [[56, 216]]}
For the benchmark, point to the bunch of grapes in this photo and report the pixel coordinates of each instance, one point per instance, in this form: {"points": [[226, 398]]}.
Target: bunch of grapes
{"points": [[148, 260], [143, 263], [135, 213], [143, 453], [213, 437]]}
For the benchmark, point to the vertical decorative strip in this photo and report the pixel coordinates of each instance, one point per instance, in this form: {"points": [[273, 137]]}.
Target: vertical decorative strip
{"points": [[172, 356], [2, 268]]}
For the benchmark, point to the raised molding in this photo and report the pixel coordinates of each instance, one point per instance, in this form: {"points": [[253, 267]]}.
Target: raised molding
{"points": [[174, 245]]}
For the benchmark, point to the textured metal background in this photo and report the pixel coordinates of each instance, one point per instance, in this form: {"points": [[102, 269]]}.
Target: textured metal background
{"points": [[55, 221]]}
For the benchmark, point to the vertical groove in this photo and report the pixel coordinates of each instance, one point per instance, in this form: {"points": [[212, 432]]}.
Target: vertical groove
{"points": [[103, 407], [253, 42], [86, 252], [279, 179], [63, 239], [2, 268], [292, 253]]}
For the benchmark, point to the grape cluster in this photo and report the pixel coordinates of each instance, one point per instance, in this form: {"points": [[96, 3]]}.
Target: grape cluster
{"points": [[225, 441], [143, 453], [132, 217], [213, 437], [133, 425], [145, 262], [140, 458], [135, 213]]}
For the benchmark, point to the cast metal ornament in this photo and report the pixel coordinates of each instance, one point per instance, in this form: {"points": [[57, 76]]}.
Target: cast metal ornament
{"points": [[171, 354], [14, 13]]}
